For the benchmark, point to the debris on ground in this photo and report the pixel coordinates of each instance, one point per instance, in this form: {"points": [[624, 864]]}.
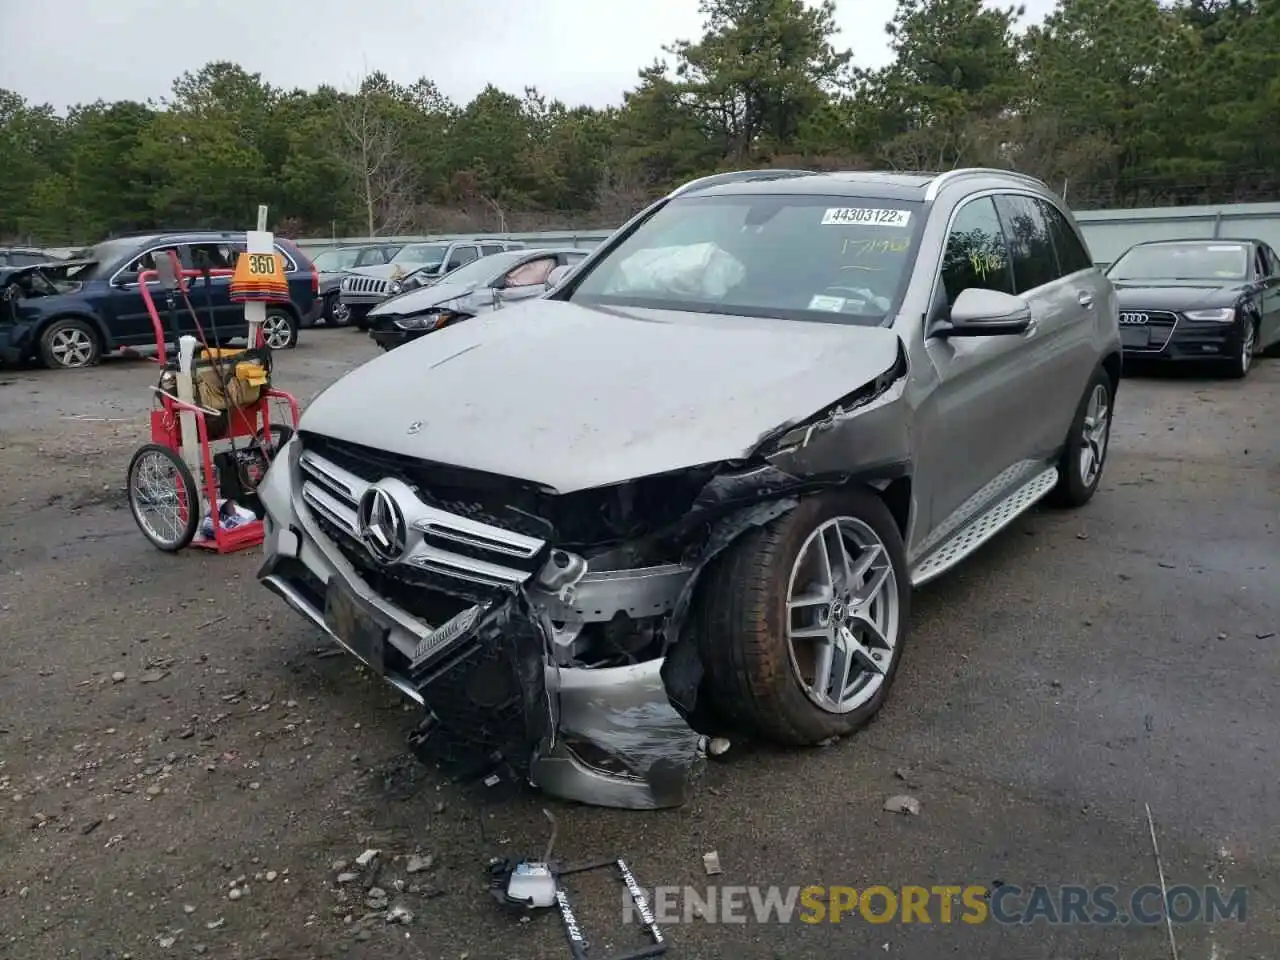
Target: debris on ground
{"points": [[903, 803], [711, 863]]}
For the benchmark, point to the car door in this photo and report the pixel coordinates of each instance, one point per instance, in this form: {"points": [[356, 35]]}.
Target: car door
{"points": [[127, 316], [1269, 331], [983, 410], [219, 317], [1061, 358]]}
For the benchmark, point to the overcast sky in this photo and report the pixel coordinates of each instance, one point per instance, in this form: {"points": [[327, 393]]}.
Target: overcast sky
{"points": [[77, 51]]}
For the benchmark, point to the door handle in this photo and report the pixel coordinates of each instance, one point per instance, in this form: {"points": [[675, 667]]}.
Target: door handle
{"points": [[1085, 298]]}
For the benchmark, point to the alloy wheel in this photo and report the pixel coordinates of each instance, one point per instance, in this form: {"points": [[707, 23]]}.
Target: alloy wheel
{"points": [[71, 348], [1095, 434], [843, 615], [1246, 349], [277, 331]]}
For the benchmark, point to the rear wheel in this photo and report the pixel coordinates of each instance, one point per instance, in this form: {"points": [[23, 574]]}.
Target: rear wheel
{"points": [[280, 330], [163, 497], [69, 344], [801, 624]]}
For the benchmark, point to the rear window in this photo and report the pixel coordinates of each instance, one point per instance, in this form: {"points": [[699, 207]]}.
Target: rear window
{"points": [[843, 259]]}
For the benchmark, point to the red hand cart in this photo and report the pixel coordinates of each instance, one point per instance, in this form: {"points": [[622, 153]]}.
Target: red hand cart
{"points": [[202, 463]]}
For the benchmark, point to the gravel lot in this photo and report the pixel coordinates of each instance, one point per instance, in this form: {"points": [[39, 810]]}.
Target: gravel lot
{"points": [[185, 770]]}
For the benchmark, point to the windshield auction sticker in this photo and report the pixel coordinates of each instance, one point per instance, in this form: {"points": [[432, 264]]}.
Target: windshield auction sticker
{"points": [[865, 217]]}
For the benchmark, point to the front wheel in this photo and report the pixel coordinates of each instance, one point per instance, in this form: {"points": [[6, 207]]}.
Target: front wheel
{"points": [[1239, 366], [1085, 453], [69, 344], [336, 312], [280, 330], [801, 624], [163, 497]]}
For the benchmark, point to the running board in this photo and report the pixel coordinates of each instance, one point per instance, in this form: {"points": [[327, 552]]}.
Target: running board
{"points": [[983, 527]]}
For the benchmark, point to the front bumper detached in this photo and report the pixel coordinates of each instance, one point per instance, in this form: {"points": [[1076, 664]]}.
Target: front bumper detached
{"points": [[483, 670]]}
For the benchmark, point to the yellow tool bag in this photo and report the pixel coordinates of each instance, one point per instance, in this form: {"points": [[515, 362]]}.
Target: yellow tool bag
{"points": [[230, 378]]}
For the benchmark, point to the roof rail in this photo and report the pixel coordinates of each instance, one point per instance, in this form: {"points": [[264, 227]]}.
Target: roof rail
{"points": [[943, 179], [737, 176]]}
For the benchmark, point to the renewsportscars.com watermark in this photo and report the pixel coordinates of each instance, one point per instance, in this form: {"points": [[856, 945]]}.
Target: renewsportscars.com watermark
{"points": [[1006, 904]]}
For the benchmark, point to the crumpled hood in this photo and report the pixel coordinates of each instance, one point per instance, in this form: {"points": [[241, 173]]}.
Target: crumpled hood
{"points": [[1176, 296], [573, 397], [421, 298]]}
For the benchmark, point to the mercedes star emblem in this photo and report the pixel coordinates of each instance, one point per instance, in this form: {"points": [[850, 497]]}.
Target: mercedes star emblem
{"points": [[381, 525], [415, 426]]}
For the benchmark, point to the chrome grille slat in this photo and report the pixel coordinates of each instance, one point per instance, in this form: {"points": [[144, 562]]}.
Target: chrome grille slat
{"points": [[335, 493]]}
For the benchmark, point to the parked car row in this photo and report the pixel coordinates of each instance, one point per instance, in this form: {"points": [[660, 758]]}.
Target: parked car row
{"points": [[68, 313], [414, 265], [481, 286]]}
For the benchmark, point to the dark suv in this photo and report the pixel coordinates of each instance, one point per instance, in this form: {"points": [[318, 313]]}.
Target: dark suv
{"points": [[70, 313]]}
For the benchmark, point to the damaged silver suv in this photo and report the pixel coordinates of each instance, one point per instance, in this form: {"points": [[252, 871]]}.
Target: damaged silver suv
{"points": [[688, 491]]}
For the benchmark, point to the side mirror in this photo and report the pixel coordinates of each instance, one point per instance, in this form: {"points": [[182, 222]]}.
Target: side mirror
{"points": [[556, 276], [985, 313]]}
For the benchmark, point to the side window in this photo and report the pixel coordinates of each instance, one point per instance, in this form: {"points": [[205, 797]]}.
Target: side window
{"points": [[1030, 247], [489, 249], [461, 256], [976, 254], [217, 256], [26, 259], [533, 273], [1273, 266], [147, 261], [1072, 253], [1260, 268]]}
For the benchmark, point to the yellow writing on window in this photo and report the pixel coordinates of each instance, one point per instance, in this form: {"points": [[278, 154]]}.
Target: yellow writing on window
{"points": [[861, 248], [985, 264]]}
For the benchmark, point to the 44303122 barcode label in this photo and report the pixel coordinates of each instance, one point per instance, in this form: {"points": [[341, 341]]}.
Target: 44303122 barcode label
{"points": [[865, 217]]}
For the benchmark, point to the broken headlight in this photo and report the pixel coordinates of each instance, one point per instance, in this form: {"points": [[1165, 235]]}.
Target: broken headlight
{"points": [[432, 320]]}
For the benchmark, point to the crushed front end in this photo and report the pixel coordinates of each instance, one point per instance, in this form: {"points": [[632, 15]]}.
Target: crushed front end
{"points": [[529, 627]]}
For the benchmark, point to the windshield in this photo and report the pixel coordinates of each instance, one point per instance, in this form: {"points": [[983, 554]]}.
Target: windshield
{"points": [[421, 255], [1183, 261], [335, 261], [104, 255], [793, 257]]}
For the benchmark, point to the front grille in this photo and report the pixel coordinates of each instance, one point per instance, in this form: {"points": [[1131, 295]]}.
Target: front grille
{"points": [[448, 557], [367, 285], [1158, 328], [483, 497]]}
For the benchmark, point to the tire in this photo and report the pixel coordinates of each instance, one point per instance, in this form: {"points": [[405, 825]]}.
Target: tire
{"points": [[277, 436], [336, 313], [69, 339], [1239, 366], [1076, 484], [186, 517], [755, 678], [282, 326]]}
